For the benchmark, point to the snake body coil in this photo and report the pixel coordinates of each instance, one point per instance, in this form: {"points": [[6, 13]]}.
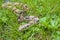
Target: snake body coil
{"points": [[20, 14]]}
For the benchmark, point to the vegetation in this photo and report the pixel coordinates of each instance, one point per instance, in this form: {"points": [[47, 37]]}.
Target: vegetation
{"points": [[48, 27]]}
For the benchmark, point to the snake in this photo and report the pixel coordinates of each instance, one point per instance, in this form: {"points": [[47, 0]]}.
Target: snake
{"points": [[20, 14]]}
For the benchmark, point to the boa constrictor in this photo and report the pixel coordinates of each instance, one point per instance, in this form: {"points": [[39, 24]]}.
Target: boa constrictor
{"points": [[20, 13]]}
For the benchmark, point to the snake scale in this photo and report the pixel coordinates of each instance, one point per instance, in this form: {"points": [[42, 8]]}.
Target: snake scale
{"points": [[20, 13]]}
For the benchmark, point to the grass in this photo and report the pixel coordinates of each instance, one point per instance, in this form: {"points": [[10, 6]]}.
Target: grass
{"points": [[48, 27]]}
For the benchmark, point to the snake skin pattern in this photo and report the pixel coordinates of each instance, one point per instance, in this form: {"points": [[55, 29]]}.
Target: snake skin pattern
{"points": [[20, 13]]}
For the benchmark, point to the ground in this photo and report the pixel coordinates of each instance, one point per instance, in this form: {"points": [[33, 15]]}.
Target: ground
{"points": [[48, 27]]}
